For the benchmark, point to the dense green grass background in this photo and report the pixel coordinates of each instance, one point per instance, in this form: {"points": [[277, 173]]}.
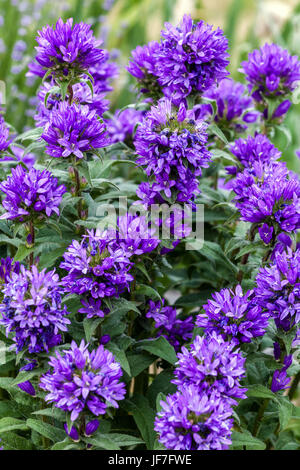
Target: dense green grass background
{"points": [[127, 23]]}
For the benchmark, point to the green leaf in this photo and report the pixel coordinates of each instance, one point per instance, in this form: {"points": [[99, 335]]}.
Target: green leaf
{"points": [[12, 441], [51, 432], [245, 439], [23, 252], [90, 325], [260, 391], [103, 441], [160, 347], [214, 129], [120, 356], [139, 362], [285, 409], [12, 424], [148, 291], [144, 417]]}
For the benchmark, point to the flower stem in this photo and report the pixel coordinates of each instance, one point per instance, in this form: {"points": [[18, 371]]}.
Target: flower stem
{"points": [[294, 386], [32, 240], [259, 416]]}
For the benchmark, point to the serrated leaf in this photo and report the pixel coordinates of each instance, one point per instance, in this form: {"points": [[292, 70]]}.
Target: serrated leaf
{"points": [[8, 424], [51, 432], [245, 439]]}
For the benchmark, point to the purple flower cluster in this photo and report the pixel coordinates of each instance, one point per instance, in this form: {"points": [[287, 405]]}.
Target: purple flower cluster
{"points": [[82, 95], [32, 311], [176, 331], [269, 196], [234, 107], [233, 315], [278, 289], [272, 73], [73, 131], [172, 148], [97, 268], [198, 415], [134, 235], [31, 194], [68, 50], [122, 125], [212, 364], [103, 73], [143, 66], [80, 381], [4, 135], [192, 420], [253, 150], [8, 266], [191, 58]]}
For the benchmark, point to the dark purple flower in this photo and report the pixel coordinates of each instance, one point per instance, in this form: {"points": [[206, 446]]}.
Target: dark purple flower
{"points": [[73, 433], [68, 50], [31, 310], [122, 125], [266, 233], [173, 152], [135, 236], [4, 136], [253, 150], [280, 380], [73, 131], [82, 95], [233, 315], [31, 194], [211, 363], [143, 65], [277, 289], [191, 58], [8, 266], [234, 107], [269, 194], [191, 419], [91, 427], [176, 331], [27, 387], [271, 73], [98, 268], [79, 381]]}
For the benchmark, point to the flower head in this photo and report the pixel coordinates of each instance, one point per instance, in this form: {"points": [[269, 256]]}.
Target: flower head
{"points": [[172, 148], [96, 268], [31, 194], [234, 316], [269, 194], [143, 65], [32, 311], [234, 106], [72, 131], [176, 331], [191, 419], [277, 290], [271, 71], [253, 150], [211, 363], [191, 58], [80, 381], [121, 126], [68, 49]]}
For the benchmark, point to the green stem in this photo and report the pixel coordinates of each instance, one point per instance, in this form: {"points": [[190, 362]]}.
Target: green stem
{"points": [[294, 386], [259, 416], [32, 240]]}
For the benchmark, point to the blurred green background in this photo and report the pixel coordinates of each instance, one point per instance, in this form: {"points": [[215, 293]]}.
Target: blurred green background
{"points": [[123, 24]]}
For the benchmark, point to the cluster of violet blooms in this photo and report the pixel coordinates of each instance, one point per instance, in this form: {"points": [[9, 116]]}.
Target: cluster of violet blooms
{"points": [[187, 66]]}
